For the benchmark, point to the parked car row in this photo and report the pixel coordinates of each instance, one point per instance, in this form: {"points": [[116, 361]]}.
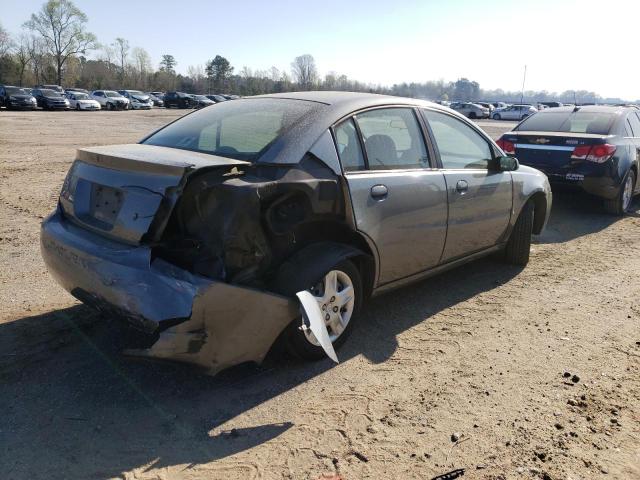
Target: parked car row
{"points": [[498, 110], [54, 97]]}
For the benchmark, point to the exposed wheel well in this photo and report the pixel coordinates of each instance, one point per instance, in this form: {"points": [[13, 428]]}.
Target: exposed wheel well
{"points": [[340, 233], [337, 240]]}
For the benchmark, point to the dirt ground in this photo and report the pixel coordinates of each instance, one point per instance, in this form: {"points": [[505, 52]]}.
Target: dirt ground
{"points": [[506, 373]]}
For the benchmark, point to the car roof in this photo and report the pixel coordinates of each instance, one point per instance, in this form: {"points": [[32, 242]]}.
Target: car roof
{"points": [[331, 108], [353, 100], [591, 109]]}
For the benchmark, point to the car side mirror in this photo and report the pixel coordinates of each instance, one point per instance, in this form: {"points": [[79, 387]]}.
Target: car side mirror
{"points": [[507, 164]]}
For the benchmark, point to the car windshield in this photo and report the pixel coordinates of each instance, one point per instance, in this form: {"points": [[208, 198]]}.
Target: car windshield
{"points": [[241, 130], [112, 94], [81, 96], [570, 122], [51, 94], [15, 91]]}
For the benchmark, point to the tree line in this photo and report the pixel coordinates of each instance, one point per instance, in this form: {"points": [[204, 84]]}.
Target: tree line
{"points": [[55, 46]]}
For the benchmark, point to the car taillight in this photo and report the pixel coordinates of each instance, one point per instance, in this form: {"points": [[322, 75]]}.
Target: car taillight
{"points": [[507, 146], [594, 153]]}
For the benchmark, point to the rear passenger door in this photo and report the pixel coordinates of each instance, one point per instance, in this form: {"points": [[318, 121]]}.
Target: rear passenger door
{"points": [[399, 200], [480, 197]]}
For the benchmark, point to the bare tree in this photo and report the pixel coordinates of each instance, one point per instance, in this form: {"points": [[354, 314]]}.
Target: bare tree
{"points": [[143, 65], [22, 55], [5, 42], [121, 48], [304, 71], [274, 74], [38, 57], [61, 25]]}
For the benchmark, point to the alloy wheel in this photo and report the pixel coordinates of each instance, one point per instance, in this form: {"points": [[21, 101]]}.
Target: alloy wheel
{"points": [[336, 298]]}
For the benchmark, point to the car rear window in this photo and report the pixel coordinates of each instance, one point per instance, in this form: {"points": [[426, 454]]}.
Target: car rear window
{"points": [[570, 122], [242, 129]]}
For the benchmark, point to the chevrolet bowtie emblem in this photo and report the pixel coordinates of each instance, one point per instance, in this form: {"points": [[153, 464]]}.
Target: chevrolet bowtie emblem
{"points": [[542, 140]]}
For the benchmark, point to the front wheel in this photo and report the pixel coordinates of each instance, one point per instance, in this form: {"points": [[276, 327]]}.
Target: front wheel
{"points": [[497, 117], [519, 245], [77, 106], [619, 205], [339, 296]]}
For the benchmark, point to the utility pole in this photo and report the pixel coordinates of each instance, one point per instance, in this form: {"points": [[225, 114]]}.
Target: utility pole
{"points": [[524, 78]]}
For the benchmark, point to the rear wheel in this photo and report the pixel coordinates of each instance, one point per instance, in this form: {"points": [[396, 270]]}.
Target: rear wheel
{"points": [[497, 116], [519, 245], [619, 205], [339, 296]]}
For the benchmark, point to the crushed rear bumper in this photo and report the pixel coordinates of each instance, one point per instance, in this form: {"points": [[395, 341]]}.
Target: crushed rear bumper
{"points": [[201, 321]]}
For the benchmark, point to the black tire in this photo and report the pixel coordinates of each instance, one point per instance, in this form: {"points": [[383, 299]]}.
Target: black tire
{"points": [[497, 117], [616, 206], [293, 338], [78, 106], [519, 245]]}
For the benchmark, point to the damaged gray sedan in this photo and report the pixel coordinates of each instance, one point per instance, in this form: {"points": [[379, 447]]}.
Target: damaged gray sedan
{"points": [[275, 217]]}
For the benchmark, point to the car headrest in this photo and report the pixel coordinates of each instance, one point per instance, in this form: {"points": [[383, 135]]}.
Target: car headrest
{"points": [[382, 148]]}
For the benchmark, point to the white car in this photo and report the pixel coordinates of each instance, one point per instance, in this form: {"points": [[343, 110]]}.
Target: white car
{"points": [[110, 100], [137, 99], [81, 101], [513, 112]]}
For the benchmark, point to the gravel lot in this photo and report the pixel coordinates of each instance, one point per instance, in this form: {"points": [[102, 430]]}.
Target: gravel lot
{"points": [[462, 371]]}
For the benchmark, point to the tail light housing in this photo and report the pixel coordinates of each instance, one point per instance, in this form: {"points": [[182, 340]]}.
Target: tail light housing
{"points": [[507, 147], [594, 153]]}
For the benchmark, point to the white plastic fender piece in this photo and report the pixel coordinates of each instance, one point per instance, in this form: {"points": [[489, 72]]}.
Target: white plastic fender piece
{"points": [[312, 312]]}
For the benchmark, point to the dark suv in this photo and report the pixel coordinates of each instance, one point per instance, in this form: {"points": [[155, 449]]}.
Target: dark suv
{"points": [[178, 100], [16, 97], [50, 99]]}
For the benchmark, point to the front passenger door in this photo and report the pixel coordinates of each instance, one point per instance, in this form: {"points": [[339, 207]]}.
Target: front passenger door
{"points": [[480, 197]]}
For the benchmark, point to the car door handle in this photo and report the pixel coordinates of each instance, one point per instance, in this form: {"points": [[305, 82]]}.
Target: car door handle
{"points": [[379, 192], [462, 186]]}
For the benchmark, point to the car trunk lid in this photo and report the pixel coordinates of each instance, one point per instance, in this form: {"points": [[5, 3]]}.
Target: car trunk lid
{"points": [[551, 152], [127, 192]]}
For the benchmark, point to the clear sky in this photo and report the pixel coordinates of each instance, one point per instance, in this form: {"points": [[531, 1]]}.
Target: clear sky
{"points": [[566, 44]]}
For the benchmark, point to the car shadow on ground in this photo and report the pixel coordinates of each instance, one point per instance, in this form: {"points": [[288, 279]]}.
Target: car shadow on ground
{"points": [[68, 394], [575, 214], [72, 396]]}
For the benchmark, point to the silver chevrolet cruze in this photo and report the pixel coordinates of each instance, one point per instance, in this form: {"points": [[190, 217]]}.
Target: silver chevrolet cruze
{"points": [[275, 217]]}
